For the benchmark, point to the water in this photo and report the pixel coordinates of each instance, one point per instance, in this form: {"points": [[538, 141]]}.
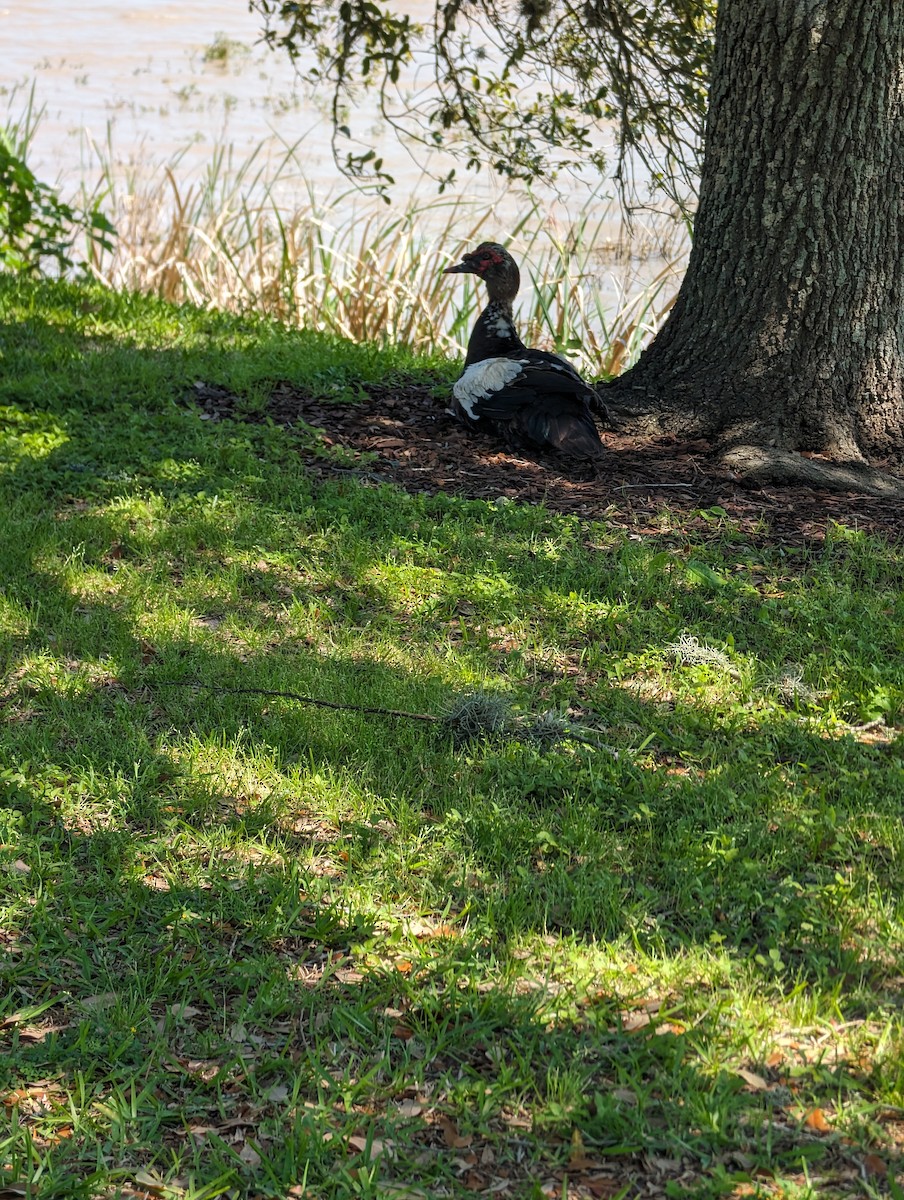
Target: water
{"points": [[135, 76]]}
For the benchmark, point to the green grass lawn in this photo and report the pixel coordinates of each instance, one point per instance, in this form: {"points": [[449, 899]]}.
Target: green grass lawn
{"points": [[254, 948]]}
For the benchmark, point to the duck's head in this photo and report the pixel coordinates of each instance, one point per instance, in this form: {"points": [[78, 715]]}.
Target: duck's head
{"points": [[496, 268]]}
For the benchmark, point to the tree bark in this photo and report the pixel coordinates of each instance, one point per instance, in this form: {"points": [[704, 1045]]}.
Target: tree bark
{"points": [[788, 330]]}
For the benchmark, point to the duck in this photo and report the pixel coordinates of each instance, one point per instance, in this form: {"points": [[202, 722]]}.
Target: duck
{"points": [[532, 399]]}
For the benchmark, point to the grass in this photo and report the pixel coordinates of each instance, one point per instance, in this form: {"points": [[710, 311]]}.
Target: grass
{"points": [[252, 948]]}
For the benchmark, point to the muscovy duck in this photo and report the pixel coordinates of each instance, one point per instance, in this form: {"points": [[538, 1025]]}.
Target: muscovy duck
{"points": [[532, 398]]}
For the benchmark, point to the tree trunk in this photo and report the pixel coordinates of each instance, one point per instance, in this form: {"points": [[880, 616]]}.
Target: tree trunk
{"points": [[788, 330]]}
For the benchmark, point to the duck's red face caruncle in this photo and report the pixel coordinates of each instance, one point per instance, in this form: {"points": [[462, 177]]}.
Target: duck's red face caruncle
{"points": [[480, 261]]}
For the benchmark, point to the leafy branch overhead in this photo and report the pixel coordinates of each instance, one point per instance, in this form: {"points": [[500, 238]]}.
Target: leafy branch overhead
{"points": [[528, 88]]}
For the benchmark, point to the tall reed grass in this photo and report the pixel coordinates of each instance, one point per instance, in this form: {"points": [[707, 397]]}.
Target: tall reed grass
{"points": [[256, 235]]}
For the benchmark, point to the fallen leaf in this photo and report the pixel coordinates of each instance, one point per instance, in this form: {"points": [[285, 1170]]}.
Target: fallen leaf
{"points": [[632, 1021], [816, 1119], [345, 976], [21, 866], [277, 1093], [101, 1000], [755, 1082], [453, 1139], [579, 1159], [152, 1183], [427, 929], [249, 1155], [205, 1069], [874, 1165], [371, 1147], [182, 1012]]}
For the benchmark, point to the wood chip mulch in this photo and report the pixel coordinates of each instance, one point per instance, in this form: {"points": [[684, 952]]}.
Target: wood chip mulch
{"points": [[645, 487]]}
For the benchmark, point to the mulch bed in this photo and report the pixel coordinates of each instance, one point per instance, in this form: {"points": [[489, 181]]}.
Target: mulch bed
{"points": [[638, 485]]}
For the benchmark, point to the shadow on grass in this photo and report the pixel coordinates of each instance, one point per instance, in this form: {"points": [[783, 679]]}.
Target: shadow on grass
{"points": [[198, 1024], [214, 893]]}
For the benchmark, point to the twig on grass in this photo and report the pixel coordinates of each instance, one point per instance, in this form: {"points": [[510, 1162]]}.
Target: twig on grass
{"points": [[471, 716], [318, 703]]}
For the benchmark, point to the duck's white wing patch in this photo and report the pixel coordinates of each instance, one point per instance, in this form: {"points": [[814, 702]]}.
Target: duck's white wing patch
{"points": [[483, 379]]}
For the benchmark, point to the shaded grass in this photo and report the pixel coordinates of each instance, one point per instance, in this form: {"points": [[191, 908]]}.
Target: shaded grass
{"points": [[250, 947]]}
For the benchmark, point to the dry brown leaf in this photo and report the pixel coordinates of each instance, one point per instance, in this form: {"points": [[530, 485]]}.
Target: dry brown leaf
{"points": [[603, 1186], [430, 929], [249, 1155], [153, 1184], [345, 976], [755, 1083], [874, 1165], [101, 1000], [453, 1139], [632, 1021], [816, 1119], [21, 866], [204, 1069], [182, 1012], [497, 1187], [34, 1033], [372, 1147]]}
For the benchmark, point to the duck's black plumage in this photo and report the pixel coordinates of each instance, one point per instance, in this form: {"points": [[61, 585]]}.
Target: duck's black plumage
{"points": [[530, 397]]}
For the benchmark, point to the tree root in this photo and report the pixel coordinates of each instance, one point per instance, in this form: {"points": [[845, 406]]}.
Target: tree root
{"points": [[763, 464]]}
